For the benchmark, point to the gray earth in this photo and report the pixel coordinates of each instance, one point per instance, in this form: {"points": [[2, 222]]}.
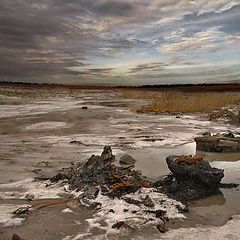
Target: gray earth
{"points": [[42, 131]]}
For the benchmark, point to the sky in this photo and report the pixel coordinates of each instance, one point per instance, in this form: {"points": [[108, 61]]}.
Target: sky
{"points": [[124, 42]]}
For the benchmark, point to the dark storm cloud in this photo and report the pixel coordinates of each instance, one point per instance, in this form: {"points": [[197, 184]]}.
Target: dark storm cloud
{"points": [[59, 37], [114, 8]]}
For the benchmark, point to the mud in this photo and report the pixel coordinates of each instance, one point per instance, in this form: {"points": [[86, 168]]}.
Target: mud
{"points": [[35, 141]]}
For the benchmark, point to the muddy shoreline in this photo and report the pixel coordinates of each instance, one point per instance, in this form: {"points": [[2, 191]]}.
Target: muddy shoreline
{"points": [[36, 135]]}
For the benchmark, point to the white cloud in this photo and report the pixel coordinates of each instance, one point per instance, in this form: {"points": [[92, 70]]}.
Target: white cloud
{"points": [[209, 39], [234, 39]]}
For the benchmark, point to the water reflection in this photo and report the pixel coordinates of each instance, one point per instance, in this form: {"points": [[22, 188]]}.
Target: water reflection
{"points": [[152, 161], [217, 199]]}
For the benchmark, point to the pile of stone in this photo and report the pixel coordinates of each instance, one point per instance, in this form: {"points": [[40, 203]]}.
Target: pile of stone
{"points": [[223, 143], [229, 116], [98, 173]]}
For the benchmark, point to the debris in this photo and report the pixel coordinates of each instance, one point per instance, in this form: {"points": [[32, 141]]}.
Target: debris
{"points": [[127, 161], [147, 201], [161, 228], [122, 224], [98, 171], [29, 196], [225, 143], [42, 164], [23, 210], [16, 237], [228, 185]]}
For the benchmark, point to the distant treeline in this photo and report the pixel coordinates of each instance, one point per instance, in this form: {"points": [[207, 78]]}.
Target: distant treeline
{"points": [[172, 87]]}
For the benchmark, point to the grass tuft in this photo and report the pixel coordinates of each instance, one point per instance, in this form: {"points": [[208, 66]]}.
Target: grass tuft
{"points": [[176, 101]]}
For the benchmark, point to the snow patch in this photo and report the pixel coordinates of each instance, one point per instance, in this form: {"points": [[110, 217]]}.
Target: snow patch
{"points": [[7, 219], [28, 185], [45, 125], [231, 231]]}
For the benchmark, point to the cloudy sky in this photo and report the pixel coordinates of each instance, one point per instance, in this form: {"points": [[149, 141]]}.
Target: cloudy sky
{"points": [[124, 42]]}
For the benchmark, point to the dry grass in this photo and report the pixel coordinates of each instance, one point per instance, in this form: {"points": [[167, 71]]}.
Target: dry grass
{"points": [[176, 101]]}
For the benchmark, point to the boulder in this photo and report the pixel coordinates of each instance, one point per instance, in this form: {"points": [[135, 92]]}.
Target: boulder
{"points": [[218, 143], [127, 161], [200, 171], [192, 178]]}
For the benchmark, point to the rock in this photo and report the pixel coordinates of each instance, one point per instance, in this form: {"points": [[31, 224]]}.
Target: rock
{"points": [[147, 201], [127, 161], [191, 179], [235, 120], [228, 185], [29, 197], [206, 134], [91, 192], [218, 143], [200, 172], [84, 107], [42, 164], [16, 237], [229, 135], [107, 154]]}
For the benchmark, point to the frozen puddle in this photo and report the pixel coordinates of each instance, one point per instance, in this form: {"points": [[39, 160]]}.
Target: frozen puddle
{"points": [[45, 125]]}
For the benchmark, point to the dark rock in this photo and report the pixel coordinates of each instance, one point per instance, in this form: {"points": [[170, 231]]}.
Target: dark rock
{"points": [[163, 181], [132, 201], [42, 164], [107, 154], [235, 119], [174, 187], [16, 237], [182, 209], [127, 160], [200, 172], [91, 192], [193, 179], [118, 224], [78, 143], [95, 206], [228, 185], [147, 201], [84, 107], [218, 144], [206, 134], [229, 135]]}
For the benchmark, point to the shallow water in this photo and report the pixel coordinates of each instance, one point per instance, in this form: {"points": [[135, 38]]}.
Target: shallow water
{"points": [[36, 135]]}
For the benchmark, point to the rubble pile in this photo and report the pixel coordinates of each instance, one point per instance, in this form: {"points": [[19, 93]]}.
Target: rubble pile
{"points": [[98, 171], [223, 143], [228, 115], [192, 178]]}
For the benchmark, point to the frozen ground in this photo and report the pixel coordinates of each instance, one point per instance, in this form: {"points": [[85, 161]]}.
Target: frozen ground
{"points": [[41, 134]]}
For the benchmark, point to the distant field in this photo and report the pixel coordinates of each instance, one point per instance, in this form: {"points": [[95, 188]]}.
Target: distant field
{"points": [[169, 98], [185, 102]]}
